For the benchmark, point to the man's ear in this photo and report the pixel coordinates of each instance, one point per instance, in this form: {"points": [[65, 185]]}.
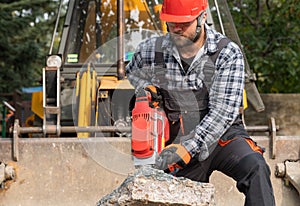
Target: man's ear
{"points": [[204, 18]]}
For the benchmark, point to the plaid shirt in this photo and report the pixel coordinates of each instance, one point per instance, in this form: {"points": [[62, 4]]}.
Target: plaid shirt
{"points": [[225, 93]]}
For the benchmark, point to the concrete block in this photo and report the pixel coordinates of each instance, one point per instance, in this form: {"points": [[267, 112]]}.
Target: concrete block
{"points": [[148, 186]]}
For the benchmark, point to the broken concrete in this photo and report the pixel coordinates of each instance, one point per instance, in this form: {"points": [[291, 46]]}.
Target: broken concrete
{"points": [[148, 186], [7, 172]]}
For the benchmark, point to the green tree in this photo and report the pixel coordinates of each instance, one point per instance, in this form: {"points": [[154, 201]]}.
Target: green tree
{"points": [[26, 28], [270, 33]]}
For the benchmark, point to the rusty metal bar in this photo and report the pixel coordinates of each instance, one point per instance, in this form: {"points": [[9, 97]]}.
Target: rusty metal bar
{"points": [[15, 142], [120, 45], [273, 129], [257, 128], [70, 129], [95, 129], [67, 129]]}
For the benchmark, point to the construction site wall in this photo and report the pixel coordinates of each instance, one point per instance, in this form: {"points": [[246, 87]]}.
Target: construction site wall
{"points": [[285, 108]]}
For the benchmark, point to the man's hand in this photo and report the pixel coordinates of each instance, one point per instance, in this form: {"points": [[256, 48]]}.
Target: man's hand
{"points": [[156, 98], [174, 156]]}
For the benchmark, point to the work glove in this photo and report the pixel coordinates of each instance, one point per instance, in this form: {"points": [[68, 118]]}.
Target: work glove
{"points": [[172, 158], [156, 98]]}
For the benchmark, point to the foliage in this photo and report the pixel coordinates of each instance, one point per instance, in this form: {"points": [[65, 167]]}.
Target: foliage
{"points": [[269, 31], [25, 29]]}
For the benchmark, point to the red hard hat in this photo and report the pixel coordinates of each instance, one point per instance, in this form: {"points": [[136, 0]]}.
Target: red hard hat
{"points": [[182, 10]]}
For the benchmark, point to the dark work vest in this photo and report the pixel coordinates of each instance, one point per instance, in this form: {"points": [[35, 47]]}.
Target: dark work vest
{"points": [[191, 105]]}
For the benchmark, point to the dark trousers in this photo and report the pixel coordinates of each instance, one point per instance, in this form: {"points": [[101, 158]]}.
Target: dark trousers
{"points": [[242, 160]]}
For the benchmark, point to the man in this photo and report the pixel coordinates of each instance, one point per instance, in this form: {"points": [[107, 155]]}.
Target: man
{"points": [[197, 75]]}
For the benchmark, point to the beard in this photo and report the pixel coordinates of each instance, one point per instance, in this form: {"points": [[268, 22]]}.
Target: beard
{"points": [[180, 40]]}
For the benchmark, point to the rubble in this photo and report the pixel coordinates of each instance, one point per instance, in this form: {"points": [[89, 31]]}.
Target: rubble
{"points": [[6, 173], [148, 186]]}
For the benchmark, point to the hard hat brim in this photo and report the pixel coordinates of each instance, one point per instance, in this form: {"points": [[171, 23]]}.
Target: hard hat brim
{"points": [[177, 19]]}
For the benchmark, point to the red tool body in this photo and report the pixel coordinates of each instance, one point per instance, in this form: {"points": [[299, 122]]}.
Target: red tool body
{"points": [[150, 131]]}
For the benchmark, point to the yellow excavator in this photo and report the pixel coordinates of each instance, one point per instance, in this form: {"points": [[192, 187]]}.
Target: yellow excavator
{"points": [[85, 85], [81, 126]]}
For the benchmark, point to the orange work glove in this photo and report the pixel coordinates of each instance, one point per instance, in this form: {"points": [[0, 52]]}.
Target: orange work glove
{"points": [[156, 98], [173, 157]]}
